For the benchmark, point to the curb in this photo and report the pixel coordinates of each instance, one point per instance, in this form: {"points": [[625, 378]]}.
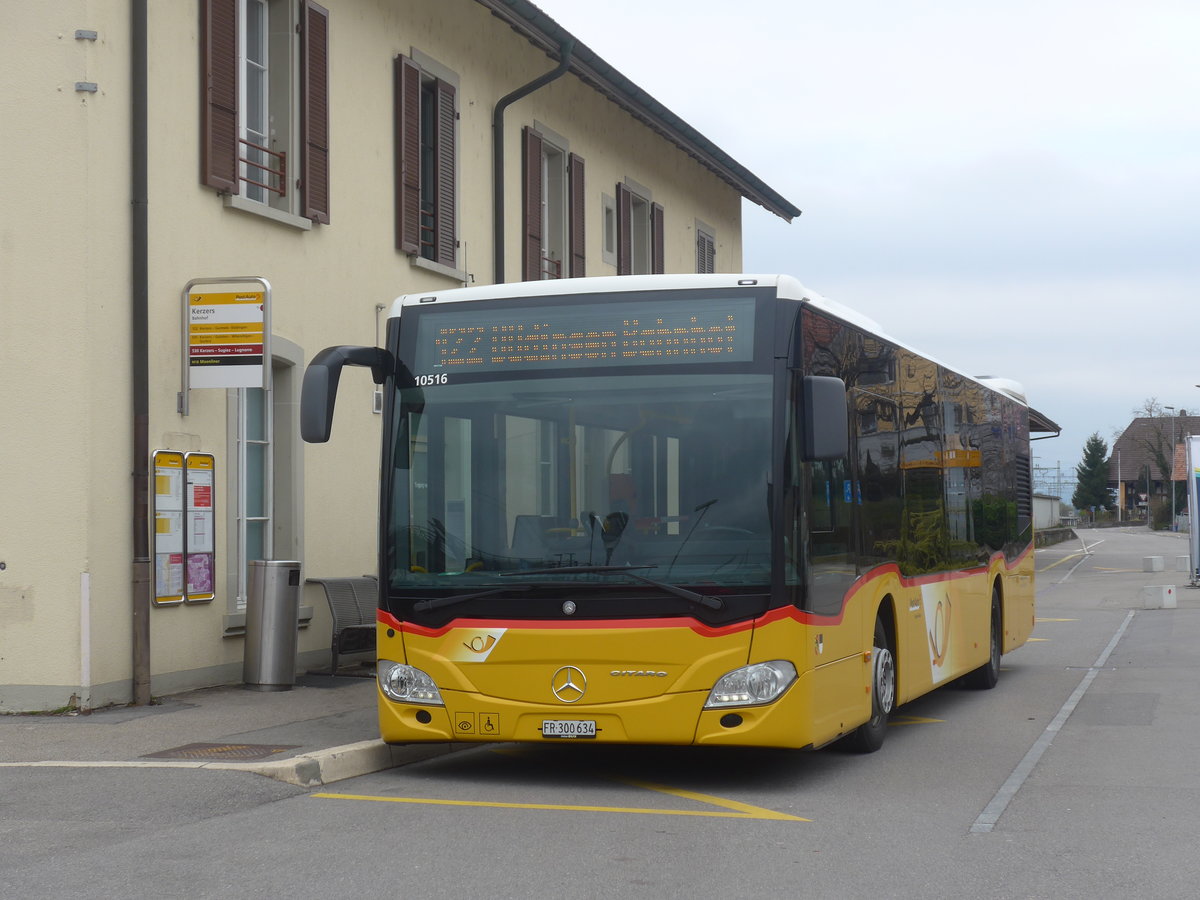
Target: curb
{"points": [[339, 763], [307, 770]]}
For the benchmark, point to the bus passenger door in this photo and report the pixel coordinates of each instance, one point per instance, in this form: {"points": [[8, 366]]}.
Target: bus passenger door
{"points": [[830, 571]]}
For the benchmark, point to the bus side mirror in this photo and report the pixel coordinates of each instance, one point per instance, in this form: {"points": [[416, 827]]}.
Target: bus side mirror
{"points": [[318, 391], [826, 418]]}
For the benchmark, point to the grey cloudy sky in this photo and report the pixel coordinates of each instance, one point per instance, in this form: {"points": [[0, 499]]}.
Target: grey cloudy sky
{"points": [[1013, 188]]}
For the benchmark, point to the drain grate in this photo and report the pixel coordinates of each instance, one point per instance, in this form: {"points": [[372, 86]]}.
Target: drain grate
{"points": [[221, 751]]}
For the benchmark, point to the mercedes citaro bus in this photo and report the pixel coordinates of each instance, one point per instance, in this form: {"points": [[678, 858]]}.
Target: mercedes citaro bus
{"points": [[706, 509]]}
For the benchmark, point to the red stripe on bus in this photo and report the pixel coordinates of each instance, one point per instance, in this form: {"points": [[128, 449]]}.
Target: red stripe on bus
{"points": [[770, 616]]}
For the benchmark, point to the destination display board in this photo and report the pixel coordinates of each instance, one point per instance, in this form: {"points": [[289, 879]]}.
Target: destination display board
{"points": [[483, 337]]}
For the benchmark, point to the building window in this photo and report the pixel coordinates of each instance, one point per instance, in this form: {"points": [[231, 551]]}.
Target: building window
{"points": [[265, 132], [265, 474], [640, 244], [255, 478], [706, 248], [426, 180], [261, 169], [608, 247], [553, 207]]}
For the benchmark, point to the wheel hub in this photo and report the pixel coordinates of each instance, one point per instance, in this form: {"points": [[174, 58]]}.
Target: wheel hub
{"points": [[885, 679]]}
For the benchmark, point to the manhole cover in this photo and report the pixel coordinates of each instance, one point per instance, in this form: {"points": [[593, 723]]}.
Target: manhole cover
{"points": [[221, 751]]}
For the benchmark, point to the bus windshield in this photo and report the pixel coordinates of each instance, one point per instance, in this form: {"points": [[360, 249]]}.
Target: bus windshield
{"points": [[498, 483]]}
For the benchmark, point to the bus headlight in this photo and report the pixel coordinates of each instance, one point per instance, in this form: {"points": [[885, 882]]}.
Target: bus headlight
{"points": [[404, 684], [752, 685]]}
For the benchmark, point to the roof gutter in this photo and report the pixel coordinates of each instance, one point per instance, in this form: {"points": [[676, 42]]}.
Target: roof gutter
{"points": [[564, 51], [1041, 424], [545, 33]]}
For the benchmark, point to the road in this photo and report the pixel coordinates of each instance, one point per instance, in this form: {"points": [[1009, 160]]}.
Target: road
{"points": [[1077, 777]]}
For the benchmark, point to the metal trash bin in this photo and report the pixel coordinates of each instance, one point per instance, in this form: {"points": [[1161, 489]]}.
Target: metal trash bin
{"points": [[272, 611]]}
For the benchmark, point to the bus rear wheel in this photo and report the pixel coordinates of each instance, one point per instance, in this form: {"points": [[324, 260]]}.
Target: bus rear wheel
{"points": [[868, 737], [985, 677]]}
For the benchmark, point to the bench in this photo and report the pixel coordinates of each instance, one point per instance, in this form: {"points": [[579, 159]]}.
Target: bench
{"points": [[352, 604]]}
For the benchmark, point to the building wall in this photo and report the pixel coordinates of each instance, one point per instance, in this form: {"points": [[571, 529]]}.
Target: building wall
{"points": [[66, 532], [1046, 512]]}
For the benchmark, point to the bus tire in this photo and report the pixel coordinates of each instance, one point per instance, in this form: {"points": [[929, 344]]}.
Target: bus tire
{"points": [[985, 677], [868, 737]]}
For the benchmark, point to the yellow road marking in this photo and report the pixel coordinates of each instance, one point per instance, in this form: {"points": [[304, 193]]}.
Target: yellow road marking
{"points": [[745, 810], [914, 720], [1034, 640], [739, 810], [1061, 561], [1040, 619]]}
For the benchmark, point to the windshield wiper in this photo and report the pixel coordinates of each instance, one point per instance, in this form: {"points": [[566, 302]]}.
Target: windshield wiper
{"points": [[439, 602], [692, 596]]}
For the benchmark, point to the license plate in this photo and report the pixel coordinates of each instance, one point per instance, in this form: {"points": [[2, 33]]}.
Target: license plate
{"points": [[568, 728]]}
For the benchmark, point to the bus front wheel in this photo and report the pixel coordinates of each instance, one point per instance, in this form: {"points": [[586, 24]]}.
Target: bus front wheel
{"points": [[868, 737]]}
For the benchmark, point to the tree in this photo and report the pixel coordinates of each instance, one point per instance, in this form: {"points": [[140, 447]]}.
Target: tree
{"points": [[1091, 484], [1160, 441], [1150, 409]]}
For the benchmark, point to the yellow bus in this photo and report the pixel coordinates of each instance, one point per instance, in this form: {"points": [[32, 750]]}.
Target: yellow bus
{"points": [[710, 510]]}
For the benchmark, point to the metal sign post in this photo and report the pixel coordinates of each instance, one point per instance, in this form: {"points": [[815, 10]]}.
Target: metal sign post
{"points": [[1193, 477]]}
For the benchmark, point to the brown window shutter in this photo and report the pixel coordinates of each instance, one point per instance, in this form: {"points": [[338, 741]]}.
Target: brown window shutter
{"points": [[531, 256], [657, 240], [219, 103], [624, 231], [706, 253], [314, 113], [408, 155], [576, 215], [446, 242]]}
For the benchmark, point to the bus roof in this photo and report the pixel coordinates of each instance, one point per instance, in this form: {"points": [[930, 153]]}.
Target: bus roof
{"points": [[609, 284], [785, 286]]}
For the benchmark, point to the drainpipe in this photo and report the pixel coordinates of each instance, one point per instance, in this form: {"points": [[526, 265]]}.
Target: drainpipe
{"points": [[139, 303], [564, 53]]}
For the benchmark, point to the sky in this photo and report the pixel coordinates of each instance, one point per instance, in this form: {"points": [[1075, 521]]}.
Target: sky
{"points": [[1012, 188]]}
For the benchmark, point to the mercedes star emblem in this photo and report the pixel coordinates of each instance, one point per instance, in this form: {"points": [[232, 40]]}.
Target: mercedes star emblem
{"points": [[569, 684]]}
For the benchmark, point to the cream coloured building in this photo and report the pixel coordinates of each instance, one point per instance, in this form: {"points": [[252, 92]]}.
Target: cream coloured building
{"points": [[338, 155]]}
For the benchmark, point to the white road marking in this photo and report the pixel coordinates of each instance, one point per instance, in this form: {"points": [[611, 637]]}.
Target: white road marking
{"points": [[991, 814]]}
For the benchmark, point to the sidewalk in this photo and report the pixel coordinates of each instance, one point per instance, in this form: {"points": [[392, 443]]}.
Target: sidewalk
{"points": [[323, 730]]}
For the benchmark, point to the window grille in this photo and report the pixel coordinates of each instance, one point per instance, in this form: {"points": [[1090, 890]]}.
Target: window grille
{"points": [[263, 168]]}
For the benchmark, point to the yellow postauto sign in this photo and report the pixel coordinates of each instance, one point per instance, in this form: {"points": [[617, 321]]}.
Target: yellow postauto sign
{"points": [[225, 339]]}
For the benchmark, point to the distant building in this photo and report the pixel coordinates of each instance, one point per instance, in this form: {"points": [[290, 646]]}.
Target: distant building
{"points": [[1146, 458], [1047, 511]]}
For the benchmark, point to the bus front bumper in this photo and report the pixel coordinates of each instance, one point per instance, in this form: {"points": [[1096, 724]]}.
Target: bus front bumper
{"points": [[670, 719]]}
